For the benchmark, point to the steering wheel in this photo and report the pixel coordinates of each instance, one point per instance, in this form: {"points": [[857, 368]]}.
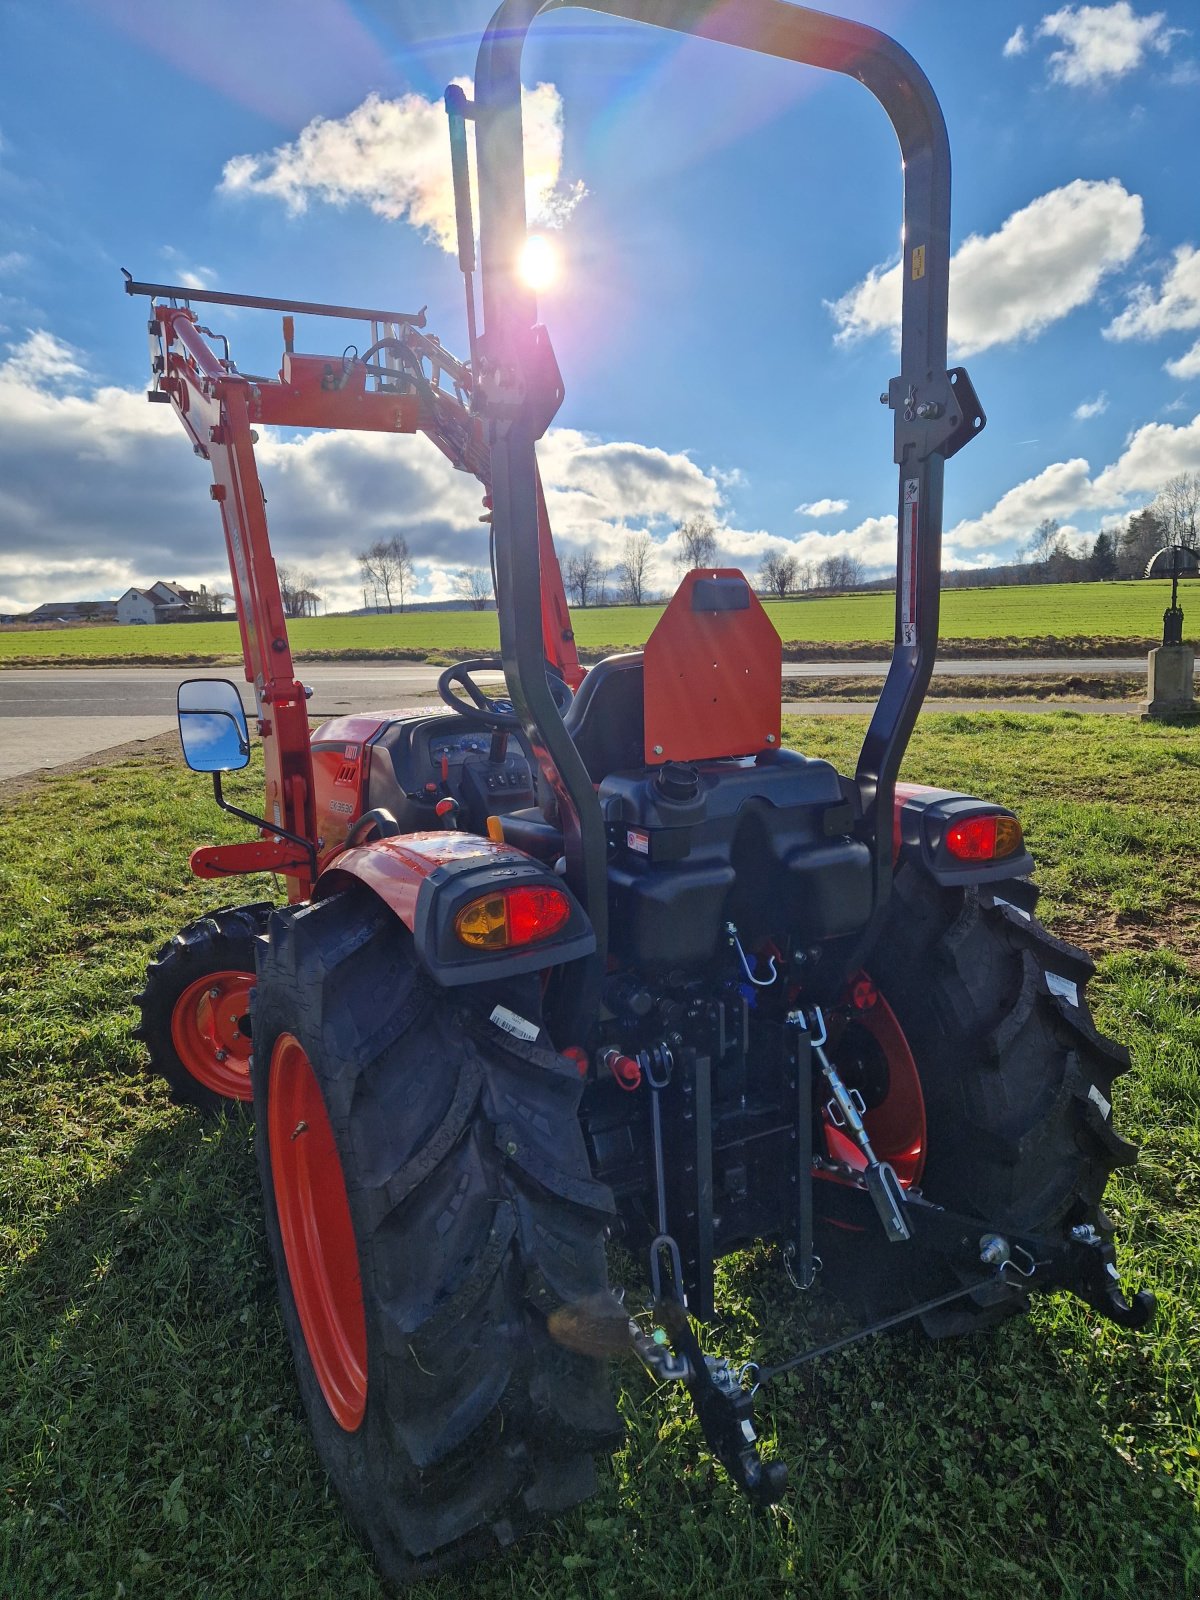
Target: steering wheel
{"points": [[494, 713]]}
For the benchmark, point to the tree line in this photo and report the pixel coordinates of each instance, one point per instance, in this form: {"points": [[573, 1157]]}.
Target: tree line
{"points": [[387, 572]]}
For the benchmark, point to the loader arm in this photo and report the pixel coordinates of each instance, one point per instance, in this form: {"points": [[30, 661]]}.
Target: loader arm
{"points": [[220, 409]]}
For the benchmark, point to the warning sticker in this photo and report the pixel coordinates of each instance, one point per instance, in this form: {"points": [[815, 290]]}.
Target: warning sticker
{"points": [[1063, 987], [908, 562], [918, 262], [635, 840], [519, 1027]]}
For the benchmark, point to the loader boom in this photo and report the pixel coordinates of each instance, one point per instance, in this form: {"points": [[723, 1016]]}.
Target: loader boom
{"points": [[406, 382]]}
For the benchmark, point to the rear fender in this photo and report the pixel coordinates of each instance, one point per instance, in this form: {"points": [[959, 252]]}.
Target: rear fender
{"points": [[921, 820], [427, 878]]}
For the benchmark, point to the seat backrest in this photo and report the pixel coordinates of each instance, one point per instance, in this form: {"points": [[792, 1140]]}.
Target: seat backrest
{"points": [[606, 719]]}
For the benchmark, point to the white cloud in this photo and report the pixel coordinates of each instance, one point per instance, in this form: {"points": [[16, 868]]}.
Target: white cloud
{"points": [[1187, 365], [1176, 304], [1153, 453], [102, 472], [1045, 261], [1016, 44], [1101, 43], [394, 156], [822, 508], [1058, 491], [1066, 489], [42, 358], [1086, 409], [1174, 307], [189, 276]]}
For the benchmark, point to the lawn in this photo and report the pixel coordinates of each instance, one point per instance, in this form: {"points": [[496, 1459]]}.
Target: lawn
{"points": [[1108, 611], [151, 1439]]}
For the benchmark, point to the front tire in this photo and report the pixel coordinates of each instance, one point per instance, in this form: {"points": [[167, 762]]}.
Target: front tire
{"points": [[429, 1204], [1017, 1082], [195, 1008]]}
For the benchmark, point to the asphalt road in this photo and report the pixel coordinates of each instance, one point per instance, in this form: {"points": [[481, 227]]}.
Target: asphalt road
{"points": [[53, 715]]}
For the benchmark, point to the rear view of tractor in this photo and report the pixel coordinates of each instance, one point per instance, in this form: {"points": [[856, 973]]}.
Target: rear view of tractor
{"points": [[590, 955]]}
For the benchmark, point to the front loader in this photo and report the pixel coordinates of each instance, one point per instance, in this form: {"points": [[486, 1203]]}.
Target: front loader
{"points": [[593, 956]]}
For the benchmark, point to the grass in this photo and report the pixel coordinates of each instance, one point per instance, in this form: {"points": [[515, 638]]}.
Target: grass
{"points": [[1051, 612], [151, 1441]]}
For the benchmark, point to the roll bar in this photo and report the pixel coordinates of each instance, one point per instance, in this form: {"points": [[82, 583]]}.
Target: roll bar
{"points": [[936, 412]]}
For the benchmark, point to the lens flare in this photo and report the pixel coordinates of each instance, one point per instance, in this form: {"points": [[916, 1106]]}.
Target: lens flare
{"points": [[539, 262]]}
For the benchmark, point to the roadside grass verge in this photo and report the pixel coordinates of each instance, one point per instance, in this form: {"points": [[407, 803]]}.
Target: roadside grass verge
{"points": [[151, 1440], [1044, 619]]}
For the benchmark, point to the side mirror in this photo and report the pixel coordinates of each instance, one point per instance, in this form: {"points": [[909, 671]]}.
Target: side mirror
{"points": [[212, 725]]}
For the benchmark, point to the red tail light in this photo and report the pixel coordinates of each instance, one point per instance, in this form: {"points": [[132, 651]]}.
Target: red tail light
{"points": [[984, 838], [512, 917]]}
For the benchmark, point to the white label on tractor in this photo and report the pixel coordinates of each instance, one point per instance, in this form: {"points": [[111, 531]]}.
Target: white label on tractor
{"points": [[996, 900], [908, 562], [1064, 988], [638, 841], [517, 1026], [1098, 1099]]}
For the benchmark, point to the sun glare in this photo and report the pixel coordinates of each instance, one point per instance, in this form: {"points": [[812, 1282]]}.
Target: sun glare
{"points": [[539, 262]]}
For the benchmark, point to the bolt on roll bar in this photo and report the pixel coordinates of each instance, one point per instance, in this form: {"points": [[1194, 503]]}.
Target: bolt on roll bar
{"points": [[936, 411]]}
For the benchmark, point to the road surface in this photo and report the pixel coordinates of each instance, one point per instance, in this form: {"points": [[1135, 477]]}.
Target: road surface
{"points": [[53, 715]]}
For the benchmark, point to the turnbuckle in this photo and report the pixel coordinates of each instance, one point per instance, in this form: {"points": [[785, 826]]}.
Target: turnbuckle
{"points": [[883, 1185]]}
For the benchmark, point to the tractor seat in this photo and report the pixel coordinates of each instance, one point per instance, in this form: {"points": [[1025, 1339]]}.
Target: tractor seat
{"points": [[606, 719], [606, 723]]}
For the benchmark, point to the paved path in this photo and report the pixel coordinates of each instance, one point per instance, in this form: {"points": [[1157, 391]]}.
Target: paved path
{"points": [[53, 715]]}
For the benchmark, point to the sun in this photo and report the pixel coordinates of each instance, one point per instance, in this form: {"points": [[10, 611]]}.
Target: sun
{"points": [[538, 263]]}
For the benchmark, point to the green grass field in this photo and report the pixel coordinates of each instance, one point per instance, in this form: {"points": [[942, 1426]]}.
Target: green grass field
{"points": [[151, 1438], [1064, 611]]}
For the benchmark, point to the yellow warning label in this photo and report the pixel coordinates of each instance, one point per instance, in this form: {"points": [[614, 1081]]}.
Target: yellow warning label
{"points": [[918, 264]]}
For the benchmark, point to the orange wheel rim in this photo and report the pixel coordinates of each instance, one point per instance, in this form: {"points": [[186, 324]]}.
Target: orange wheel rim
{"points": [[206, 1030], [317, 1233]]}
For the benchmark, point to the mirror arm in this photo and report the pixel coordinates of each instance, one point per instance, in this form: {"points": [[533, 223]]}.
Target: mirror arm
{"points": [[267, 827]]}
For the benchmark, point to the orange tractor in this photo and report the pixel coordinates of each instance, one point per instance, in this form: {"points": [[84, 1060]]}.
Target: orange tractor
{"points": [[592, 954]]}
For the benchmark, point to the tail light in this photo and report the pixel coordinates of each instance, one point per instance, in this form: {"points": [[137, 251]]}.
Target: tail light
{"points": [[984, 838], [512, 917]]}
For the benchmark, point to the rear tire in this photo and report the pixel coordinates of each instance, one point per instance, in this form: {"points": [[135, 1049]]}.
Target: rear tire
{"points": [[473, 1215], [1016, 1079], [193, 1007]]}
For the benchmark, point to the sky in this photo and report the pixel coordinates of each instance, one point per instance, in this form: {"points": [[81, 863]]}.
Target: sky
{"points": [[726, 229]]}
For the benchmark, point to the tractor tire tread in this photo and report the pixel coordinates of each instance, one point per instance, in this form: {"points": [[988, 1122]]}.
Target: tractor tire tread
{"points": [[475, 1216]]}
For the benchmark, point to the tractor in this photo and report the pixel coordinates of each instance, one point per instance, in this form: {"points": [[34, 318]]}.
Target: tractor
{"points": [[589, 955]]}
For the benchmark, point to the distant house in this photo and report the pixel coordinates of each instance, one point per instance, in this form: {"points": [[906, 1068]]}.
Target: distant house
{"points": [[164, 602], [74, 611]]}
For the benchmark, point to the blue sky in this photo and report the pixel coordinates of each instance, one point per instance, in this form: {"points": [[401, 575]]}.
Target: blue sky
{"points": [[722, 315]]}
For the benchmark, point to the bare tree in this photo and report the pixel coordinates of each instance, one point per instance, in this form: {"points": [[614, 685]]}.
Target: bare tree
{"points": [[1177, 505], [697, 542], [1045, 543], [388, 567], [474, 584], [633, 567], [583, 576], [1143, 534], [778, 574], [840, 572], [296, 591]]}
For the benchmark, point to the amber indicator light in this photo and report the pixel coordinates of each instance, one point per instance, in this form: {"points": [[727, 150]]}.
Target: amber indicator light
{"points": [[512, 917]]}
